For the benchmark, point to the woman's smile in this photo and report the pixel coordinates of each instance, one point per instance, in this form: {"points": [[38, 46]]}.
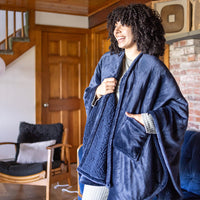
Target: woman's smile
{"points": [[124, 36]]}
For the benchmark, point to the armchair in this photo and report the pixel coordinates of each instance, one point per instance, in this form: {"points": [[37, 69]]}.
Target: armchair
{"points": [[42, 157]]}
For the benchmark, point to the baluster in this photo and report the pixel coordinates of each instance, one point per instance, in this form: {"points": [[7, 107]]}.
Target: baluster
{"points": [[14, 23], [22, 19], [6, 39]]}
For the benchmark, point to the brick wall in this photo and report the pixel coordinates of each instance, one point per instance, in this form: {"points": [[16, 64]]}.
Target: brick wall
{"points": [[185, 66]]}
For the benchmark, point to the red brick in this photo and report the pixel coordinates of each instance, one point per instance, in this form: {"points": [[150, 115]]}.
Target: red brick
{"points": [[197, 90], [194, 104], [176, 44], [193, 126], [175, 66], [194, 112], [184, 59], [193, 71], [188, 65], [193, 97], [191, 58], [185, 84], [191, 42], [183, 43], [192, 91], [177, 79], [194, 118], [186, 91], [189, 50], [179, 72], [192, 79]]}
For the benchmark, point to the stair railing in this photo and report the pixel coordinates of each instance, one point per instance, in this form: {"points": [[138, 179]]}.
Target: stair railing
{"points": [[21, 33]]}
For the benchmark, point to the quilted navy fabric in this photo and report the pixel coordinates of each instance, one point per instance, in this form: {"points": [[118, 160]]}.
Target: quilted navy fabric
{"points": [[96, 137]]}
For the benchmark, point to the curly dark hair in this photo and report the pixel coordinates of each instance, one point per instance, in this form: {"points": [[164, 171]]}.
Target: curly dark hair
{"points": [[146, 26]]}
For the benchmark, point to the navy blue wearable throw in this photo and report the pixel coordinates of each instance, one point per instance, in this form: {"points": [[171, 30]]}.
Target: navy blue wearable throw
{"points": [[118, 152]]}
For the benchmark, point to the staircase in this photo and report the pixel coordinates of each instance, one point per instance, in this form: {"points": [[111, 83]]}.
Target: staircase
{"points": [[16, 36]]}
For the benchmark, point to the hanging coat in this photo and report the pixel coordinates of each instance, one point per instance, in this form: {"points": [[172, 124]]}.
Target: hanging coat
{"points": [[118, 152]]}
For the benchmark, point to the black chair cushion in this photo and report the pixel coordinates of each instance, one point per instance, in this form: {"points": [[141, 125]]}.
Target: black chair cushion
{"points": [[15, 169], [29, 133]]}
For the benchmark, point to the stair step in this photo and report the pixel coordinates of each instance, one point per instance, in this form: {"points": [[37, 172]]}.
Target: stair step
{"points": [[20, 39], [6, 52], [17, 39], [11, 40]]}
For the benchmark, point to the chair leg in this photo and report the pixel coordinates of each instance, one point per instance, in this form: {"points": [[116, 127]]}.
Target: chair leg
{"points": [[49, 165], [69, 180], [48, 187]]}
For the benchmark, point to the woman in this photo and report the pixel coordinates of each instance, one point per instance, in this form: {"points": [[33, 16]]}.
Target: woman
{"points": [[136, 115]]}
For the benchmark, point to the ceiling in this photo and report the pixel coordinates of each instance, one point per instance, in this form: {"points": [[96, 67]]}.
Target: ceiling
{"points": [[76, 7]]}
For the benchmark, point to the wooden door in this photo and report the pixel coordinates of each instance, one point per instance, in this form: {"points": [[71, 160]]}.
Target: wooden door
{"points": [[64, 82], [100, 44]]}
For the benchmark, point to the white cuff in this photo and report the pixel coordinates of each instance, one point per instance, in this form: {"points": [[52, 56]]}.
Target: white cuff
{"points": [[148, 123]]}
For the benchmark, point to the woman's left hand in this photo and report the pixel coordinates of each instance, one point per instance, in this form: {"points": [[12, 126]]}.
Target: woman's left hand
{"points": [[137, 117]]}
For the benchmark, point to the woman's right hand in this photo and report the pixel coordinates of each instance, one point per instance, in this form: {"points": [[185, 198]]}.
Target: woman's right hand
{"points": [[107, 86]]}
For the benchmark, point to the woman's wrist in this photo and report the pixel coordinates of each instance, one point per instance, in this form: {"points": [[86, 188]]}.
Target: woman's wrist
{"points": [[97, 95], [137, 117]]}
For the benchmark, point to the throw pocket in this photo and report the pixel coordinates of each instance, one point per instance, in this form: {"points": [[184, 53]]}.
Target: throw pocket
{"points": [[131, 138]]}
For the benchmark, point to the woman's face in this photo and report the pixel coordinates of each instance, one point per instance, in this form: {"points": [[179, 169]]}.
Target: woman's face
{"points": [[124, 36]]}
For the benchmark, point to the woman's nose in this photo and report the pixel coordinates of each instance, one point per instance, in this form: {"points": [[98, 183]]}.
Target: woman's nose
{"points": [[117, 30]]}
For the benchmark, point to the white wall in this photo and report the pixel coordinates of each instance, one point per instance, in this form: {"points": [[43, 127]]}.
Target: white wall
{"points": [[56, 19], [17, 100]]}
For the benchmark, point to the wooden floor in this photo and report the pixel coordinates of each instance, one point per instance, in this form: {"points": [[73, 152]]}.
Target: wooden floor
{"points": [[26, 192]]}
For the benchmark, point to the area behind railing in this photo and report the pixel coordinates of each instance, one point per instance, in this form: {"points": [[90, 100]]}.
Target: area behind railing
{"points": [[14, 26]]}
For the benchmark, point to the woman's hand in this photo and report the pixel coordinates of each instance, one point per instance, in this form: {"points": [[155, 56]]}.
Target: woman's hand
{"points": [[107, 86], [137, 117]]}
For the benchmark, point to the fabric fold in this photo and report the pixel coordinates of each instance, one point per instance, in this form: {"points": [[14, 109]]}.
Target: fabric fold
{"points": [[93, 165]]}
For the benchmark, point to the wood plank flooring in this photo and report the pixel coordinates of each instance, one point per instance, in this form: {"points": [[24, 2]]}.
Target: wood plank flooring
{"points": [[27, 192]]}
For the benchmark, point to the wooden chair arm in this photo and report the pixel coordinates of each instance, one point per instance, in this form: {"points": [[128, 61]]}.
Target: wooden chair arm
{"points": [[8, 143], [5, 143], [59, 145], [66, 155], [50, 156]]}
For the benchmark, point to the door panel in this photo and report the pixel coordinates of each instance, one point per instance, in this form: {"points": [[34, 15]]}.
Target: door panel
{"points": [[100, 44], [63, 83]]}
